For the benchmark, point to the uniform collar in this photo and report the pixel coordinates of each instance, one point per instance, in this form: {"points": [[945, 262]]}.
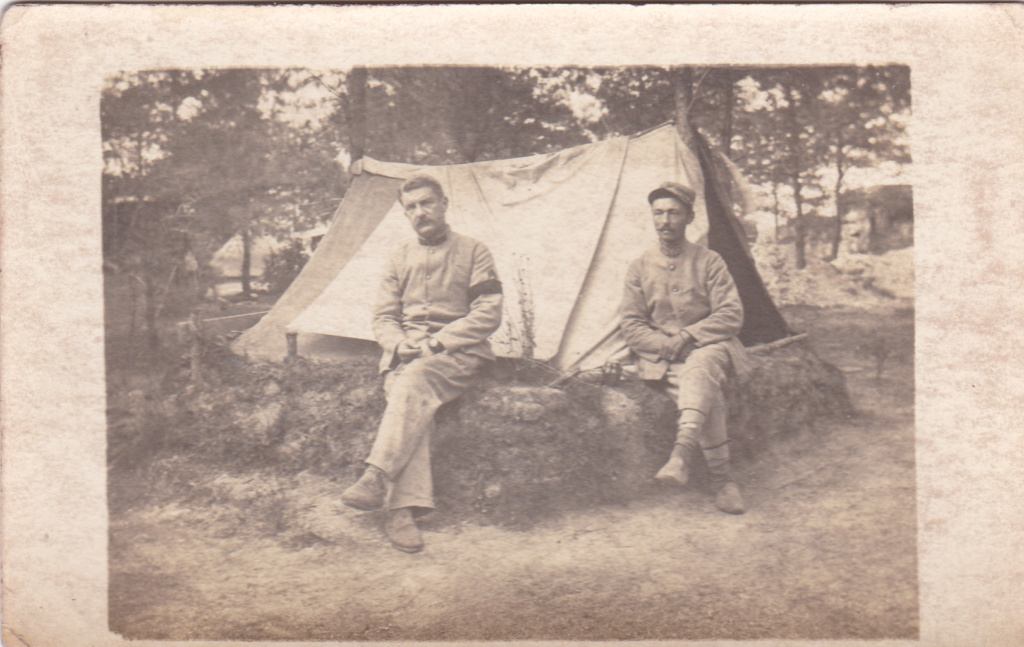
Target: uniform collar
{"points": [[656, 256], [437, 240], [672, 251]]}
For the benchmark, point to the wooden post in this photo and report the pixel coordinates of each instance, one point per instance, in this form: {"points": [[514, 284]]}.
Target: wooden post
{"points": [[293, 344]]}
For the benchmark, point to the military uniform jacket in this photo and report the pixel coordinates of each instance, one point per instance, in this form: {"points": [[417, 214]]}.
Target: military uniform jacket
{"points": [[449, 291], [692, 292]]}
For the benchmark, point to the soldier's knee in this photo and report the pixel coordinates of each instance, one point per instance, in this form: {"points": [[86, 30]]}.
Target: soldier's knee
{"points": [[422, 373], [699, 374]]}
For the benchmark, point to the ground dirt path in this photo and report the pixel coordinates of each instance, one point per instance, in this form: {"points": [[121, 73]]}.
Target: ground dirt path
{"points": [[826, 550]]}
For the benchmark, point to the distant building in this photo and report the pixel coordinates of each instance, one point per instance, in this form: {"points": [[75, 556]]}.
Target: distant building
{"points": [[877, 219]]}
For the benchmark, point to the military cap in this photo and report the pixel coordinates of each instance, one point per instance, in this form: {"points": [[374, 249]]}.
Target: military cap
{"points": [[684, 194]]}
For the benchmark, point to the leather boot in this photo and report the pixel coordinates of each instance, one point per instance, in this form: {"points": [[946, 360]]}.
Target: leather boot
{"points": [[727, 493], [369, 492], [729, 499], [677, 470], [400, 527]]}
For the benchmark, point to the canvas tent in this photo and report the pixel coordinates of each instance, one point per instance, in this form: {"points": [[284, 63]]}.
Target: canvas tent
{"points": [[227, 260], [563, 228]]}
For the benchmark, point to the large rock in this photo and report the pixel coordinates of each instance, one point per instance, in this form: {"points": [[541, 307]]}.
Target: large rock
{"points": [[510, 450]]}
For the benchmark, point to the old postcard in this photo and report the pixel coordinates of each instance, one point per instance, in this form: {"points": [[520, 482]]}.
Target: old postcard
{"points": [[511, 323]]}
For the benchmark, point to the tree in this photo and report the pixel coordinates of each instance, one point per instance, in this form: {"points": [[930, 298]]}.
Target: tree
{"points": [[796, 123], [448, 115], [861, 124], [191, 157]]}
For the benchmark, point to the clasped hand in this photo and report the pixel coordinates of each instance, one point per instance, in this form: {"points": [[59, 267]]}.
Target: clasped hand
{"points": [[678, 347], [408, 350]]}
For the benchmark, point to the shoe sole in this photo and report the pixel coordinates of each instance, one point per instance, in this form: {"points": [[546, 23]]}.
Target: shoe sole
{"points": [[407, 549], [742, 511], [361, 508], [670, 480]]}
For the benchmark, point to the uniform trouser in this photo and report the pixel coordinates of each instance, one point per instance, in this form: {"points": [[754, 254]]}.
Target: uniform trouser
{"points": [[696, 386], [414, 393]]}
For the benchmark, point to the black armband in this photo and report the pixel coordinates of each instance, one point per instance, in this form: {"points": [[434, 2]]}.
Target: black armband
{"points": [[490, 286]]}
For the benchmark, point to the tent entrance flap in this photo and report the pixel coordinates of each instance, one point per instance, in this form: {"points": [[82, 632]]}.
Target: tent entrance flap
{"points": [[762, 321]]}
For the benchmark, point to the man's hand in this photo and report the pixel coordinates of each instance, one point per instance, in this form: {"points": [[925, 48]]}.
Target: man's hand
{"points": [[408, 350], [431, 346], [678, 347], [685, 351], [689, 343]]}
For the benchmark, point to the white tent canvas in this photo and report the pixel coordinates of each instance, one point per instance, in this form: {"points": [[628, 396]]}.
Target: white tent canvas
{"points": [[228, 259], [563, 228]]}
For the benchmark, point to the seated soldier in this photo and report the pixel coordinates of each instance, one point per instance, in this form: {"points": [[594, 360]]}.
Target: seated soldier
{"points": [[681, 314], [439, 302]]}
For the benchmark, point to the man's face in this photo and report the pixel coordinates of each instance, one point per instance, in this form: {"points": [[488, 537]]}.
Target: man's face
{"points": [[425, 210], [670, 219]]}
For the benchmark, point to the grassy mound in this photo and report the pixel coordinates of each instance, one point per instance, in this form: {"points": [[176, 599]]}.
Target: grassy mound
{"points": [[510, 451]]}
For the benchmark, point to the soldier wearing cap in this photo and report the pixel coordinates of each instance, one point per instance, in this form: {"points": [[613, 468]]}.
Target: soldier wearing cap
{"points": [[680, 316], [439, 302]]}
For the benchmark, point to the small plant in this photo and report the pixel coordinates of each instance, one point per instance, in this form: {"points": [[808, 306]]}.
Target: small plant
{"points": [[526, 303]]}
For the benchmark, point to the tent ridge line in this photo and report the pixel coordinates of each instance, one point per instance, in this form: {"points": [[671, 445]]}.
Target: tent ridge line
{"points": [[379, 167]]}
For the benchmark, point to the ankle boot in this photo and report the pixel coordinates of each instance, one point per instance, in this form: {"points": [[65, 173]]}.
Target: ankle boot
{"points": [[677, 470], [369, 491], [727, 493], [400, 527]]}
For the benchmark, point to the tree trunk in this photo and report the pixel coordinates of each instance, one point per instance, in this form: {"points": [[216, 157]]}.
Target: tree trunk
{"points": [[800, 225], [246, 260], [152, 334], [837, 233], [682, 91], [132, 278], [775, 211], [728, 102], [795, 165], [471, 119], [356, 85]]}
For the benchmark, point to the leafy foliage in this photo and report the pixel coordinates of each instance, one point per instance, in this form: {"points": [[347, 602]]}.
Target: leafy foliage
{"points": [[282, 266]]}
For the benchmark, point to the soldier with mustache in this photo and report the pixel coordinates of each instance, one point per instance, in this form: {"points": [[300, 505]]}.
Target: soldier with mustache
{"points": [[439, 302], [680, 316]]}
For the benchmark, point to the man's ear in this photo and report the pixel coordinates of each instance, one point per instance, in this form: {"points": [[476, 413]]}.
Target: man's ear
{"points": [[689, 218]]}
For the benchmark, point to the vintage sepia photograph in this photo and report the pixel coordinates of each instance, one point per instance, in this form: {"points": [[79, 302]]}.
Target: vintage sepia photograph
{"points": [[379, 324], [493, 353]]}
